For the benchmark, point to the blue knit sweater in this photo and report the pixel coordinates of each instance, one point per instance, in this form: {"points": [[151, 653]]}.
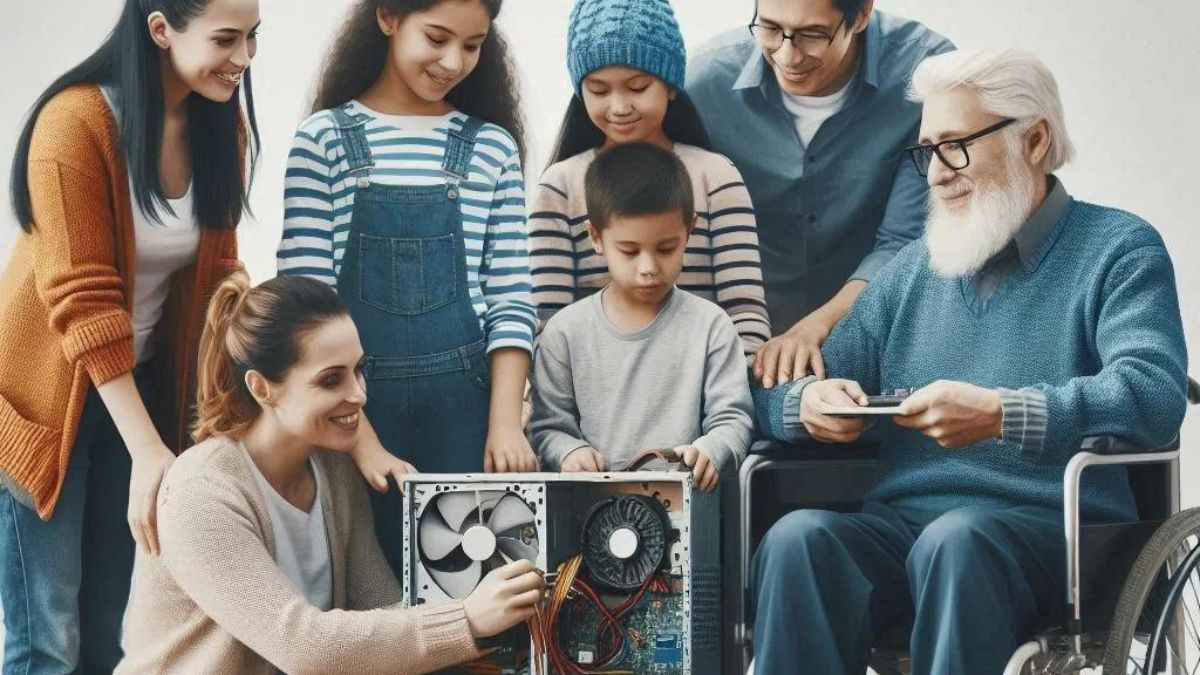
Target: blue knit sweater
{"points": [[1091, 322]]}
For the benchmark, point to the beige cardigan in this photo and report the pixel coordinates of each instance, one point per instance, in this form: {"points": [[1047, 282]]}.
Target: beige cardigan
{"points": [[216, 602]]}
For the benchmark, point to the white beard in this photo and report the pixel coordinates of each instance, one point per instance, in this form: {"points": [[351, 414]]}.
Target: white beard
{"points": [[961, 243]]}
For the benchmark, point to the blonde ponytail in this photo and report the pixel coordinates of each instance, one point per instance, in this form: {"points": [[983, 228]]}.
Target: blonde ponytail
{"points": [[257, 329], [220, 405]]}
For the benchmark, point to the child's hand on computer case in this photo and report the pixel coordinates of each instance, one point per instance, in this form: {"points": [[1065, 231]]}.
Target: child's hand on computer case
{"points": [[704, 470], [378, 466], [508, 451], [583, 459]]}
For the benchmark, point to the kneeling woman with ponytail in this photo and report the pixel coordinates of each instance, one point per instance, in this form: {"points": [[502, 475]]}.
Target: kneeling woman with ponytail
{"points": [[265, 526]]}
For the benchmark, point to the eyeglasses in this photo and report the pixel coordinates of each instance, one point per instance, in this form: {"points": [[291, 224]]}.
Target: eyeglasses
{"points": [[808, 41], [952, 152]]}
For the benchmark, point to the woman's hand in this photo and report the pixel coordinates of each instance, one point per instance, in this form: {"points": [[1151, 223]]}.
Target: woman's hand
{"points": [[506, 597], [150, 464]]}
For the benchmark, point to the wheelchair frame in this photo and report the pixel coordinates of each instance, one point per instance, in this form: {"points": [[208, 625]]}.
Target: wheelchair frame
{"points": [[1094, 451]]}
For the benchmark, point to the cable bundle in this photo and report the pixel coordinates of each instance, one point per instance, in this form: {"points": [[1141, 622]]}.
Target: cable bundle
{"points": [[610, 633]]}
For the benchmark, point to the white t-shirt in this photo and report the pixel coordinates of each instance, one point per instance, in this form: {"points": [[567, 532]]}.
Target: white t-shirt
{"points": [[301, 543], [810, 112], [161, 249]]}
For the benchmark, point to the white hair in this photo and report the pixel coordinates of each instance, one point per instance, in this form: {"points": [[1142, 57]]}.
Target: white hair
{"points": [[1010, 83]]}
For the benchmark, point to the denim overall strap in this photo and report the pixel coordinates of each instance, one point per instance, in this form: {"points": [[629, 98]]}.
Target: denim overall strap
{"points": [[460, 145], [405, 281], [352, 130]]}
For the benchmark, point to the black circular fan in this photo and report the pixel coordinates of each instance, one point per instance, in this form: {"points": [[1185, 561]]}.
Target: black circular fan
{"points": [[625, 540]]}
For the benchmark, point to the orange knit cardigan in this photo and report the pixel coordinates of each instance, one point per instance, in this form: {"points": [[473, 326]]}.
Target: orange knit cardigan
{"points": [[66, 298]]}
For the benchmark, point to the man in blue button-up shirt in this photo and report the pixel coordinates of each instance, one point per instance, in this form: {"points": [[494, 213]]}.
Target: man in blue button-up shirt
{"points": [[810, 104]]}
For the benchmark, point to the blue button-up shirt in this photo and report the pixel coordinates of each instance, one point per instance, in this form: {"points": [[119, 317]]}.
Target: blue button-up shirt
{"points": [[841, 208]]}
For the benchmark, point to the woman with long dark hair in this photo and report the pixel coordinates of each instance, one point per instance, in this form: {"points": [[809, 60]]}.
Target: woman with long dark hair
{"points": [[404, 192], [128, 181], [627, 62]]}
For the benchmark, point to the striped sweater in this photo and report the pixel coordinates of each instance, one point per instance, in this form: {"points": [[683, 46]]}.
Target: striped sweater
{"points": [[408, 150], [721, 263]]}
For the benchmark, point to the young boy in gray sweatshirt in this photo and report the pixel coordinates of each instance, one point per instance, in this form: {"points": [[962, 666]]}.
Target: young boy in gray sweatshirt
{"points": [[640, 364]]}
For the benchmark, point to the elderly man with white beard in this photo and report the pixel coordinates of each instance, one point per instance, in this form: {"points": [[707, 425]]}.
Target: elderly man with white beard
{"points": [[1026, 320]]}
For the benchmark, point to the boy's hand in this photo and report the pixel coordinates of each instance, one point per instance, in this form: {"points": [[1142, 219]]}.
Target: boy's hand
{"points": [[704, 470], [583, 459], [377, 465], [508, 451]]}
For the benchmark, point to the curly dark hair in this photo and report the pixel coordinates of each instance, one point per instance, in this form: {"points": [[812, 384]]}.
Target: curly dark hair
{"points": [[360, 51]]}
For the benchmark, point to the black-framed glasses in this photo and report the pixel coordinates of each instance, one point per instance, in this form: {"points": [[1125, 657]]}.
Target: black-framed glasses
{"points": [[806, 41], [952, 152]]}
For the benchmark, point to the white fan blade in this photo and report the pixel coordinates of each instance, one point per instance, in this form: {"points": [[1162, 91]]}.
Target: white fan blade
{"points": [[488, 498], [458, 585], [515, 549], [456, 506], [510, 512], [437, 539]]}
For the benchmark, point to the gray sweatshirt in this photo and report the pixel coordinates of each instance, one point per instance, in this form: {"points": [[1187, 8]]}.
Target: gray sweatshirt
{"points": [[681, 379]]}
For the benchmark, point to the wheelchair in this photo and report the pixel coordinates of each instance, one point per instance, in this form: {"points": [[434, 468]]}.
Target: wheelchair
{"points": [[1148, 624]]}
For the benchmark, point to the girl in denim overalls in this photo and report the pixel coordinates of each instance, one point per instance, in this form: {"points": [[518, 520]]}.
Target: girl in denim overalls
{"points": [[404, 191]]}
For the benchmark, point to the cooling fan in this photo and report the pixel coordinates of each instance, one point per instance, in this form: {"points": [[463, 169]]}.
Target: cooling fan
{"points": [[466, 534], [624, 540]]}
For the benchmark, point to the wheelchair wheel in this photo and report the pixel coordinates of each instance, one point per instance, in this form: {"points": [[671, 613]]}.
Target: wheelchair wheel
{"points": [[1156, 625]]}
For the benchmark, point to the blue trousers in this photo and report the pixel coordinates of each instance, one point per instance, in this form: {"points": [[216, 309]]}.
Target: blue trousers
{"points": [[64, 583], [971, 583]]}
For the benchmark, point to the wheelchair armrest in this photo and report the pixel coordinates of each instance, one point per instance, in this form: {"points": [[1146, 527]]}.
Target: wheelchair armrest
{"points": [[1096, 451], [815, 450], [1115, 445]]}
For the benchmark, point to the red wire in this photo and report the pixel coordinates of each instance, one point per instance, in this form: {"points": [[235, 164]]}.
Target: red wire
{"points": [[620, 611], [610, 630]]}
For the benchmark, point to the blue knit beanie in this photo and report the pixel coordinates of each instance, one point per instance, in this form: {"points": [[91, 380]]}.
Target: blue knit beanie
{"points": [[642, 34]]}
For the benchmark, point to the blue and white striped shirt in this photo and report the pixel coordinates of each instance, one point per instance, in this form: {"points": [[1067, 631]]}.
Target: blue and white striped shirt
{"points": [[408, 150]]}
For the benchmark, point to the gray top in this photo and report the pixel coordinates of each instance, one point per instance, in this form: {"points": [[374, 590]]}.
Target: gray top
{"points": [[680, 379]]}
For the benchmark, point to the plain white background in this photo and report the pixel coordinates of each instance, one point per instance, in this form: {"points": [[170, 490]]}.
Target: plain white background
{"points": [[1126, 70]]}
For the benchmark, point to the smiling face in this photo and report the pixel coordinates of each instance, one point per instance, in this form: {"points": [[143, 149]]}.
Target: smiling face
{"points": [[211, 53], [975, 211], [954, 114], [627, 104], [434, 50], [821, 60], [321, 396]]}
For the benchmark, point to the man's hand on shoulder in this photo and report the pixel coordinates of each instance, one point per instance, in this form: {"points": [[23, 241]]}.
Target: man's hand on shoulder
{"points": [[955, 414]]}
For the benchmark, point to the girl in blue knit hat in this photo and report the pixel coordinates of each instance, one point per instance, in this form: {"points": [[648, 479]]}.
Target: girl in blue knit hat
{"points": [[627, 60], [404, 191]]}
